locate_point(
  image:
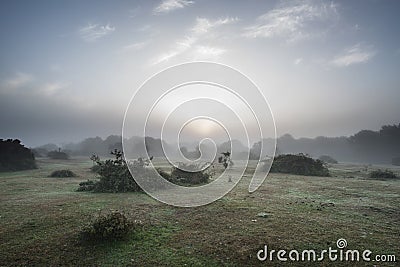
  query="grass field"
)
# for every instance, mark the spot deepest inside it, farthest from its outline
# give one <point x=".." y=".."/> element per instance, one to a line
<point x="41" y="217"/>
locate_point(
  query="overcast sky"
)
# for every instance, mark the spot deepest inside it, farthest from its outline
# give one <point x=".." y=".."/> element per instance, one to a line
<point x="69" y="68"/>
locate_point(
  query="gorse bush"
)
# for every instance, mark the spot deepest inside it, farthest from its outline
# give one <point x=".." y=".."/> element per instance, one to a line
<point x="298" y="164"/>
<point x="382" y="174"/>
<point x="113" y="225"/>
<point x="63" y="173"/>
<point x="191" y="174"/>
<point x="14" y="156"/>
<point x="114" y="175"/>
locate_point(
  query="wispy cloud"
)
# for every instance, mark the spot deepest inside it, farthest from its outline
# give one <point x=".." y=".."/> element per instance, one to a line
<point x="298" y="61"/>
<point x="169" y="5"/>
<point x="354" y="55"/>
<point x="135" y="46"/>
<point x="209" y="51"/>
<point x="198" y="33"/>
<point x="294" y="20"/>
<point x="93" y="32"/>
<point x="23" y="84"/>
<point x="20" y="79"/>
<point x="52" y="88"/>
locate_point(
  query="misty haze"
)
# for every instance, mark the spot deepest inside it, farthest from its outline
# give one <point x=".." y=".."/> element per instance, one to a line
<point x="199" y="133"/>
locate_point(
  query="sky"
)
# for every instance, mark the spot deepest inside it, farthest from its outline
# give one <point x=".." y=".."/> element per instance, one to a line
<point x="69" y="68"/>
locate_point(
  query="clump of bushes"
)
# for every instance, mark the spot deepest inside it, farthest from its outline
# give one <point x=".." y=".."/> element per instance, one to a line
<point x="114" y="175"/>
<point x="328" y="159"/>
<point x="110" y="226"/>
<point x="382" y="174"/>
<point x="299" y="164"/>
<point x="15" y="157"/>
<point x="57" y="155"/>
<point x="187" y="174"/>
<point x="63" y="173"/>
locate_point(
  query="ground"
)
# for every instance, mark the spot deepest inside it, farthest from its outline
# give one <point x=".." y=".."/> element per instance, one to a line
<point x="40" y="219"/>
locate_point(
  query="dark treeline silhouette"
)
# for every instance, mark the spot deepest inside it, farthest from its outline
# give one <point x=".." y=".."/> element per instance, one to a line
<point x="366" y="146"/>
<point x="14" y="156"/>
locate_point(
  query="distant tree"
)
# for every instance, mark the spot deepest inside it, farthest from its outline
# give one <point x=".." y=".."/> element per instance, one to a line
<point x="377" y="146"/>
<point x="225" y="159"/>
<point x="255" y="151"/>
<point x="14" y="156"/>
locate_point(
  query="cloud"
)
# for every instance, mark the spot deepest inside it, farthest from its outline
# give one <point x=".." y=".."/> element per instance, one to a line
<point x="52" y="88"/>
<point x="209" y="51"/>
<point x="26" y="85"/>
<point x="20" y="79"/>
<point x="135" y="46"/>
<point x="93" y="32"/>
<point x="170" y="5"/>
<point x="297" y="61"/>
<point x="354" y="55"/>
<point x="198" y="33"/>
<point x="294" y="20"/>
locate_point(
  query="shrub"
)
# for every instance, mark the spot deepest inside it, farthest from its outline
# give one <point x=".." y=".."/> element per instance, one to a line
<point x="88" y="185"/>
<point x="382" y="174"/>
<point x="298" y="164"/>
<point x="396" y="161"/>
<point x="14" y="156"/>
<point x="193" y="176"/>
<point x="57" y="155"/>
<point x="63" y="173"/>
<point x="328" y="159"/>
<point x="110" y="226"/>
<point x="114" y="175"/>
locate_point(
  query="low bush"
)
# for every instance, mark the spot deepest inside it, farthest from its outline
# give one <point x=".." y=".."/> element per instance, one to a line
<point x="382" y="174"/>
<point x="187" y="174"/>
<point x="62" y="174"/>
<point x="328" y="159"/>
<point x="110" y="226"/>
<point x="298" y="164"/>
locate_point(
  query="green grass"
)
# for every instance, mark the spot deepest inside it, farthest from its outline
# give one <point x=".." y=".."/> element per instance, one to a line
<point x="41" y="217"/>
